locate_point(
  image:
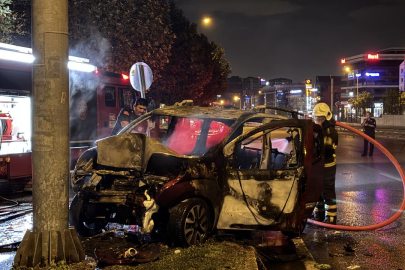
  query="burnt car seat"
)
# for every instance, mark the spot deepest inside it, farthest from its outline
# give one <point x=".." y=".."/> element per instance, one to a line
<point x="247" y="158"/>
<point x="278" y="158"/>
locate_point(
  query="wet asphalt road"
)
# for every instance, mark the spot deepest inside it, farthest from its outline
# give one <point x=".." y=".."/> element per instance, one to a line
<point x="369" y="190"/>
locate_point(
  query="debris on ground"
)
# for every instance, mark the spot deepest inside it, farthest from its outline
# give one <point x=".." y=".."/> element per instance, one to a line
<point x="88" y="264"/>
<point x="142" y="254"/>
<point x="223" y="255"/>
<point x="336" y="254"/>
<point x="322" y="266"/>
<point x="349" y="248"/>
<point x="368" y="254"/>
<point x="353" y="267"/>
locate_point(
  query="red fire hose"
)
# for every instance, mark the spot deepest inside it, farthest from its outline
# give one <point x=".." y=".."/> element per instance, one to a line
<point x="401" y="173"/>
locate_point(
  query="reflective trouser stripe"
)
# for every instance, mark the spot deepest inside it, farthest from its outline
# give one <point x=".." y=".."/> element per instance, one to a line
<point x="330" y="207"/>
<point x="331" y="214"/>
<point x="330" y="164"/>
<point x="319" y="209"/>
<point x="331" y="210"/>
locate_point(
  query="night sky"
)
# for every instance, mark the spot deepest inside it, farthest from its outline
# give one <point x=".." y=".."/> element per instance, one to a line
<point x="297" y="39"/>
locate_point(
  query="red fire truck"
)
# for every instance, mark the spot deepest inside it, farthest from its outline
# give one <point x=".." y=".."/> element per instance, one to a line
<point x="96" y="98"/>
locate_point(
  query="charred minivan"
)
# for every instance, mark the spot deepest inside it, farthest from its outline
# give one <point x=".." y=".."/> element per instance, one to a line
<point x="187" y="171"/>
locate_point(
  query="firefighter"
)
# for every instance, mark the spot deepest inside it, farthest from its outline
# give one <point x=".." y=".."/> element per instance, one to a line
<point x="326" y="210"/>
<point x="126" y="116"/>
<point x="369" y="125"/>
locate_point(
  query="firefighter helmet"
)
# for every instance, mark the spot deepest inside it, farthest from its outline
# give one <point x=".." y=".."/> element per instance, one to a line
<point x="322" y="109"/>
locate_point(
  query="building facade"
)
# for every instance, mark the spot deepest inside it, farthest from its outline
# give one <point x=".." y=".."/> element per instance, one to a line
<point x="279" y="81"/>
<point x="235" y="85"/>
<point x="375" y="73"/>
<point x="290" y="96"/>
<point x="251" y="85"/>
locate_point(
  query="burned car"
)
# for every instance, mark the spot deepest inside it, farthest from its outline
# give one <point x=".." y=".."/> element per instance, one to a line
<point x="185" y="171"/>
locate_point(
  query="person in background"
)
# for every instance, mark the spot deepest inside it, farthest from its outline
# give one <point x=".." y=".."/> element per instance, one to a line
<point x="126" y="116"/>
<point x="325" y="210"/>
<point x="369" y="125"/>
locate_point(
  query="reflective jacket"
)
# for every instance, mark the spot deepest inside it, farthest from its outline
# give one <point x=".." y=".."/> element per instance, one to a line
<point x="124" y="115"/>
<point x="330" y="138"/>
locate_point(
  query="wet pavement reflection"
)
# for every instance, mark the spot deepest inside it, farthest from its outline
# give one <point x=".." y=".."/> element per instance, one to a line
<point x="369" y="191"/>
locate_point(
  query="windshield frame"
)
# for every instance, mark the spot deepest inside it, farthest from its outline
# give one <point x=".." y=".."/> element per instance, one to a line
<point x="199" y="148"/>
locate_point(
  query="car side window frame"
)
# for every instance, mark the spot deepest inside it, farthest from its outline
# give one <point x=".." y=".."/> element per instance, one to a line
<point x="233" y="158"/>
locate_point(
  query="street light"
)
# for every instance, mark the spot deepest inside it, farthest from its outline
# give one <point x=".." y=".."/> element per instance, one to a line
<point x="206" y="21"/>
<point x="236" y="98"/>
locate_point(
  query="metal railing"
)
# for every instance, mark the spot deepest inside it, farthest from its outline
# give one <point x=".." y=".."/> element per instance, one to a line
<point x="382" y="132"/>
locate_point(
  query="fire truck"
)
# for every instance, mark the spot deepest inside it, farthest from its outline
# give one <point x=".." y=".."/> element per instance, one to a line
<point x="96" y="98"/>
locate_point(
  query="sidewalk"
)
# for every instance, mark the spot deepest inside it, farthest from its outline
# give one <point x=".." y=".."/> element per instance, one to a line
<point x="378" y="126"/>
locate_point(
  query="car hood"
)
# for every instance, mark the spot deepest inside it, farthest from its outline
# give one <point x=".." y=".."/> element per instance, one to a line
<point x="130" y="151"/>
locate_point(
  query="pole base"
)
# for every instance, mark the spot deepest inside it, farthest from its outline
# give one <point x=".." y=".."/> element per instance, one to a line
<point x="42" y="248"/>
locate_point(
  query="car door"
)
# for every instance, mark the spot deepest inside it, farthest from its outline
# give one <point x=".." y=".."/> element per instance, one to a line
<point x="269" y="169"/>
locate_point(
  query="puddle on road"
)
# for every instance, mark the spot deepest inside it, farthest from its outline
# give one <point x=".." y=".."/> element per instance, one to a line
<point x="13" y="231"/>
<point x="6" y="260"/>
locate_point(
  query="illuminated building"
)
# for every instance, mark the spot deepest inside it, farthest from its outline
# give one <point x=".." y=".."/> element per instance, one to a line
<point x="290" y="96"/>
<point x="278" y="81"/>
<point x="374" y="72"/>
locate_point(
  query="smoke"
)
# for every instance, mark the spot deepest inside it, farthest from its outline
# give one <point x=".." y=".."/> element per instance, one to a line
<point x="83" y="86"/>
<point x="94" y="47"/>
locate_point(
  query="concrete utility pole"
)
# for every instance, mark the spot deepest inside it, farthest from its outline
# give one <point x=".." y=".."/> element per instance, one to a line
<point x="51" y="240"/>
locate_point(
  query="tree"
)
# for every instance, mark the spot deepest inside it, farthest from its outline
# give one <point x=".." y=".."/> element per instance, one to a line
<point x="189" y="68"/>
<point x="219" y="83"/>
<point x="392" y="104"/>
<point x="197" y="68"/>
<point x="118" y="33"/>
<point x="11" y="23"/>
<point x="363" y="101"/>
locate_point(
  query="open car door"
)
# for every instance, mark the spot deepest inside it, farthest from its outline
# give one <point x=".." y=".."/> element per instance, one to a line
<point x="269" y="174"/>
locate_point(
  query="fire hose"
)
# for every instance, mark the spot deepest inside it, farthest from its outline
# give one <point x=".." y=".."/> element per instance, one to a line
<point x="401" y="173"/>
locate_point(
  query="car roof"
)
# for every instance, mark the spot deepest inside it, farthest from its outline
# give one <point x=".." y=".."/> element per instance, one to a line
<point x="209" y="112"/>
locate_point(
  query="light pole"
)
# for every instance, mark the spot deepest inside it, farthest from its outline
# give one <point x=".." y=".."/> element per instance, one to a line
<point x="51" y="239"/>
<point x="236" y="98"/>
<point x="258" y="97"/>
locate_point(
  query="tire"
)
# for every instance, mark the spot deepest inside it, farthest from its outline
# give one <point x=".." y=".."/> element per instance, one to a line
<point x="83" y="227"/>
<point x="190" y="222"/>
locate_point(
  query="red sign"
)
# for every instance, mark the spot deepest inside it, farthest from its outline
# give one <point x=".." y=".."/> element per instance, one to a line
<point x="343" y="61"/>
<point x="373" y="56"/>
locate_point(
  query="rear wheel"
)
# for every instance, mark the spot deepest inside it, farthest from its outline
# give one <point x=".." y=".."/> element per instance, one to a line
<point x="77" y="218"/>
<point x="190" y="222"/>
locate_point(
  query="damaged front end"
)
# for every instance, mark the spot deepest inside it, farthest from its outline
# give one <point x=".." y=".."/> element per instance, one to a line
<point x="113" y="183"/>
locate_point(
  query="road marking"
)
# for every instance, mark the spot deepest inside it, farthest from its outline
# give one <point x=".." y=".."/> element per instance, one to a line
<point x="391" y="176"/>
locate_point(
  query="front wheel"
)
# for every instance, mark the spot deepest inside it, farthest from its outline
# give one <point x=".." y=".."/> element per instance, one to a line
<point x="190" y="222"/>
<point x="84" y="227"/>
